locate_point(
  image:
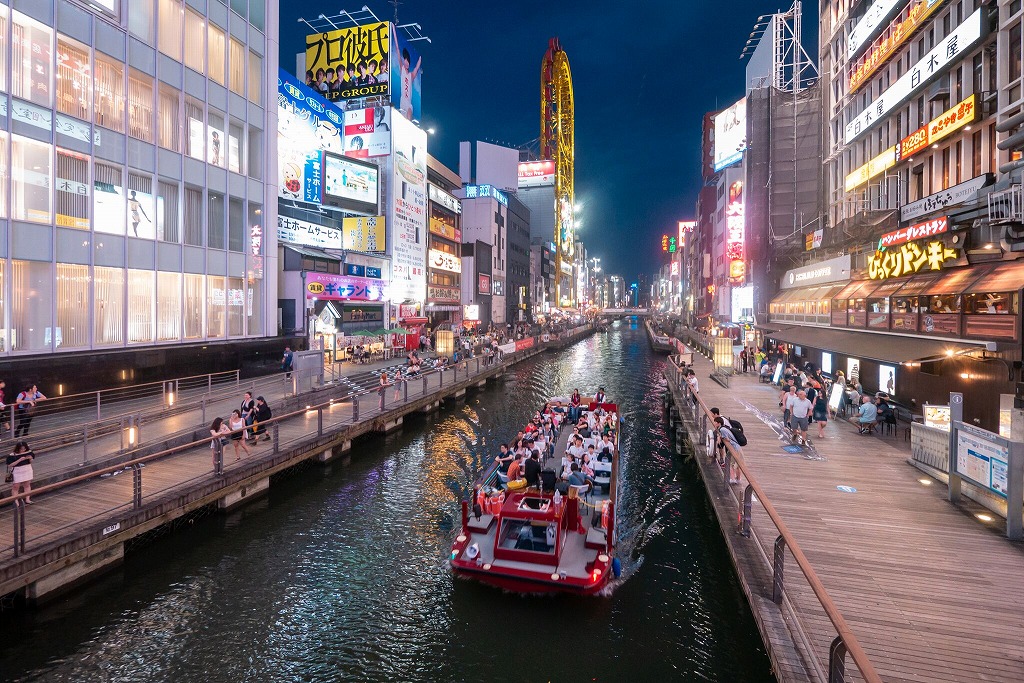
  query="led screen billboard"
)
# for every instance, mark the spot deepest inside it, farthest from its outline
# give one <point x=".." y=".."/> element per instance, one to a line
<point x="730" y="135"/>
<point x="536" y="173"/>
<point x="351" y="185"/>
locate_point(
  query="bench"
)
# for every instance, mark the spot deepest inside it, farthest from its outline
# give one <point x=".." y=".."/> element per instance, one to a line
<point x="596" y="539"/>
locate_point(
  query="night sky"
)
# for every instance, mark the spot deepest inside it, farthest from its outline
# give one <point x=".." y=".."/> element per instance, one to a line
<point x="644" y="74"/>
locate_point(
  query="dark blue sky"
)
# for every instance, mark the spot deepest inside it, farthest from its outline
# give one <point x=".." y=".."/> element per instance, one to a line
<point x="643" y="73"/>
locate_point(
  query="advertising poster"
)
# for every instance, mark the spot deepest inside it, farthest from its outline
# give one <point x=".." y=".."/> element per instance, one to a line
<point x="216" y="147"/>
<point x="826" y="362"/>
<point x="852" y="369"/>
<point x="982" y="459"/>
<point x="306" y="126"/>
<point x="730" y="135"/>
<point x="310" y="234"/>
<point x="406" y="75"/>
<point x="536" y="173"/>
<point x="350" y="62"/>
<point x="483" y="283"/>
<point x="936" y="417"/>
<point x="141" y="215"/>
<point x="887" y="379"/>
<point x="835" y="397"/>
<point x="351" y="185"/>
<point x="108" y="208"/>
<point x="340" y="287"/>
<point x="407" y="191"/>
<point x="368" y="132"/>
<point x="364" y="233"/>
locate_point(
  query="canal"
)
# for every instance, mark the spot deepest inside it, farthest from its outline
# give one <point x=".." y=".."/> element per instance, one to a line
<point x="340" y="573"/>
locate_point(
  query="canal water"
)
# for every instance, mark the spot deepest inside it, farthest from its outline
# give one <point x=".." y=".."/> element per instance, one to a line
<point x="340" y="573"/>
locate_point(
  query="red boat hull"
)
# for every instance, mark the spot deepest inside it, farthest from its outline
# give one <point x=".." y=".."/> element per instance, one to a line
<point x="529" y="586"/>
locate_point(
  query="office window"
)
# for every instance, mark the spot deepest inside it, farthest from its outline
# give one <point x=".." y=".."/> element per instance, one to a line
<point x="236" y="67"/>
<point x="31" y="60"/>
<point x="993" y="163"/>
<point x="3" y="69"/>
<point x="257" y="13"/>
<point x="141" y="314"/>
<point x="195" y="41"/>
<point x="216" y="152"/>
<point x="140" y="20"/>
<point x="169" y="118"/>
<point x="169" y="24"/>
<point x="72" y="293"/>
<point x="236" y="225"/>
<point x="235" y="161"/>
<point x="255" y="78"/>
<point x="236" y="308"/>
<point x="216" y="50"/>
<point x="31" y="321"/>
<point x="108" y="200"/>
<point x="1015" y="52"/>
<point x="240" y="6"/>
<point x="140" y="105"/>
<point x="255" y="155"/>
<point x="74" y="84"/>
<point x="167" y="228"/>
<point x="215" y="305"/>
<point x="193" y="309"/>
<point x="215" y="220"/>
<point x="193" y="213"/>
<point x="30" y="179"/>
<point x="109" y="93"/>
<point x="957" y="154"/>
<point x="976" y="154"/>
<point x="4" y="179"/>
<point x="141" y="212"/>
<point x="168" y="306"/>
<point x="71" y="189"/>
<point x="195" y="143"/>
<point x="108" y="304"/>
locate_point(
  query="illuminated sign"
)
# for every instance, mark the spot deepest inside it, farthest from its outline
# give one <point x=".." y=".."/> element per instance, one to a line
<point x="368" y="132"/>
<point x="303" y="232"/>
<point x="439" y="293"/>
<point x="675" y="268"/>
<point x="946" y="52"/>
<point x="875" y="16"/>
<point x="950" y="121"/>
<point x="444" y="229"/>
<point x="913" y="143"/>
<point x="536" y="173"/>
<point x="730" y="135"/>
<point x="327" y="286"/>
<point x="879" y="164"/>
<point x="471" y="312"/>
<point x="910" y="258"/>
<point x="958" y="194"/>
<point x="349" y="62"/>
<point x="664" y="242"/>
<point x="442" y="260"/>
<point x="886" y="45"/>
<point x="483" y="283"/>
<point x="813" y="240"/>
<point x="476" y="191"/>
<point x="673" y="245"/>
<point x="734" y="232"/>
<point x="351" y="185"/>
<point x="930" y="228"/>
<point x="363" y="233"/>
<point x="439" y="196"/>
<point x="832" y="270"/>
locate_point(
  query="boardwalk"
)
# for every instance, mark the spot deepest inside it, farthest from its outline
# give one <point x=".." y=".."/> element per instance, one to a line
<point x="931" y="592"/>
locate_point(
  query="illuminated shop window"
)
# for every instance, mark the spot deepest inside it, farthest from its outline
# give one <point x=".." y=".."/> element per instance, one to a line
<point x="140" y="106"/>
<point x="236" y="306"/>
<point x="74" y="80"/>
<point x="169" y="23"/>
<point x="108" y="306"/>
<point x="30" y="179"/>
<point x="169" y="118"/>
<point x="195" y="41"/>
<point x="71" y="189"/>
<point x="195" y="140"/>
<point x="31" y="289"/>
<point x="141" y="214"/>
<point x="108" y="203"/>
<point x="31" y="60"/>
<point x="194" y="300"/>
<point x="167" y="213"/>
<point x="236" y="67"/>
<point x="141" y="301"/>
<point x="109" y="93"/>
<point x="216" y="50"/>
<point x="255" y="78"/>
<point x="168" y="306"/>
<point x="72" y="330"/>
<point x="216" y="303"/>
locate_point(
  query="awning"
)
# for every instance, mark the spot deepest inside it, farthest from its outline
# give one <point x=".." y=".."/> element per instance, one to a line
<point x="856" y="289"/>
<point x="885" y="347"/>
<point x="1005" y="277"/>
<point x="438" y="308"/>
<point x="819" y="293"/>
<point x="312" y="252"/>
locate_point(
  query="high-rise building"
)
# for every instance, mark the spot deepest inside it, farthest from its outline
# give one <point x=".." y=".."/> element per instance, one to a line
<point x="485" y="219"/>
<point x="444" y="254"/>
<point x="137" y="182"/>
<point x="518" y="299"/>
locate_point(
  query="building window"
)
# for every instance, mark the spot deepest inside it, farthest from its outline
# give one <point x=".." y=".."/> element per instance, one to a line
<point x="253" y="305"/>
<point x="141" y="212"/>
<point x="235" y="161"/>
<point x="196" y="140"/>
<point x="215" y="221"/>
<point x="216" y="50"/>
<point x="255" y="78"/>
<point x="108" y="304"/>
<point x="140" y="106"/>
<point x="31" y="60"/>
<point x="169" y="25"/>
<point x="1015" y="53"/>
<point x="195" y="41"/>
<point x="216" y="152"/>
<point x="31" y="322"/>
<point x="72" y="293"/>
<point x="257" y="12"/>
<point x="167" y="229"/>
<point x="168" y="306"/>
<point x="193" y="212"/>
<point x="976" y="154"/>
<point x="194" y="299"/>
<point x="236" y="68"/>
<point x="169" y="118"/>
<point x="71" y="185"/>
<point x="236" y="225"/>
<point x="4" y="49"/>
<point x="977" y="80"/>
<point x="74" y="86"/>
<point x="215" y="305"/>
<point x="140" y="20"/>
<point x="4" y="179"/>
<point x="255" y="155"/>
<point x="30" y="179"/>
<point x="993" y="162"/>
<point x="141" y="314"/>
<point x="108" y="200"/>
<point x="957" y="155"/>
<point x="945" y="168"/>
<point x="109" y="93"/>
<point x="236" y="308"/>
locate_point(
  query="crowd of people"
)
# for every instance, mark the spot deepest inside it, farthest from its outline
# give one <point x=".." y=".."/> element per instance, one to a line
<point x="244" y="427"/>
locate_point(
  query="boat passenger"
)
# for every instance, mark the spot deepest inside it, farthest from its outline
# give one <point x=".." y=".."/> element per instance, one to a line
<point x="532" y="469"/>
<point x="575" y="451"/>
<point x="576" y="478"/>
<point x="600" y="397"/>
<point x="515" y="469"/>
<point x="504" y="459"/>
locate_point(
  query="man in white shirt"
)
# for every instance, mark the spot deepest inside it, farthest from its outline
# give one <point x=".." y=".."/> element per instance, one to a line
<point x="575" y="450"/>
<point x="800" y="410"/>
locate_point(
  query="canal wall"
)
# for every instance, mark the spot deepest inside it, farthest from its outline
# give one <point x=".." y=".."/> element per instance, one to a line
<point x="75" y="553"/>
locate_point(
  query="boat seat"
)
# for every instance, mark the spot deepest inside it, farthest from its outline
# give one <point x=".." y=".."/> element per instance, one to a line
<point x="596" y="539"/>
<point x="481" y="526"/>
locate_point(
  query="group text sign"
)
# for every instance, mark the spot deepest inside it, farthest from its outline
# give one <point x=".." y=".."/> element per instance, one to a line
<point x="349" y="63"/>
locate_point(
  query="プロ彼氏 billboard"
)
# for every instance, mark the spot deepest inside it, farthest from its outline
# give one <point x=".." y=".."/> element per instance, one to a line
<point x="730" y="135"/>
<point x="350" y="63"/>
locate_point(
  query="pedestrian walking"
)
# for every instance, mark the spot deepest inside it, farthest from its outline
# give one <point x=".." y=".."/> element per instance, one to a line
<point x="248" y="409"/>
<point x="286" y="362"/>
<point x="219" y="431"/>
<point x="800" y="409"/>
<point x="236" y="423"/>
<point x="821" y="412"/>
<point x="19" y="470"/>
<point x="259" y="425"/>
<point x="27" y="404"/>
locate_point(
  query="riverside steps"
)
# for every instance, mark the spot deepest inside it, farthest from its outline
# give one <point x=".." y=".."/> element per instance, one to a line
<point x="79" y="524"/>
<point x="853" y="562"/>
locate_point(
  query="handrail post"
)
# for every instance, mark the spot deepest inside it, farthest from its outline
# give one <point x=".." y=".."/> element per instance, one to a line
<point x="11" y="423"/>
<point x="777" y="569"/>
<point x="319" y="421"/>
<point x="122" y="430"/>
<point x="238" y="377"/>
<point x="99" y="412"/>
<point x="837" y="661"/>
<point x="209" y="382"/>
<point x="425" y="385"/>
<point x="405" y="390"/>
<point x="137" y="485"/>
<point x="85" y="445"/>
<point x="276" y="431"/>
<point x="728" y="466"/>
<point x="355" y="408"/>
<point x="748" y="494"/>
<point x="218" y="457"/>
<point x="202" y="407"/>
<point x="19" y="513"/>
<point x="382" y="391"/>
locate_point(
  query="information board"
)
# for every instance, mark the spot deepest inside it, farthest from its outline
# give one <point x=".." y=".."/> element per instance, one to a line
<point x="982" y="457"/>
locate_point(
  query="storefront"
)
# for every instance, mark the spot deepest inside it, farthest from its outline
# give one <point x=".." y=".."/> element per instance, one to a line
<point x="342" y="305"/>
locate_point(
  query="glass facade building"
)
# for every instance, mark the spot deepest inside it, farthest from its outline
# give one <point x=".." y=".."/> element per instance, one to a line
<point x="135" y="189"/>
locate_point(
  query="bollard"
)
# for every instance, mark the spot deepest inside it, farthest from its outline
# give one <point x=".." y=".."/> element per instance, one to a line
<point x="425" y="385"/>
<point x="355" y="408"/>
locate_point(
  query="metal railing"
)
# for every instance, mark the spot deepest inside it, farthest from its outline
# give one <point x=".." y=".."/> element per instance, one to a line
<point x="845" y="641"/>
<point x="1007" y="206"/>
<point x="325" y="422"/>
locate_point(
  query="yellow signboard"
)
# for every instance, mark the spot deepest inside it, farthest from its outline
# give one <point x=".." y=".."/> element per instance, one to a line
<point x="363" y="233"/>
<point x="910" y="258"/>
<point x="349" y="62"/>
<point x="879" y="164"/>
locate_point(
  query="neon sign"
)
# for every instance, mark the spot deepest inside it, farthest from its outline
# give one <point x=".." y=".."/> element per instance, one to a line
<point x="910" y="258"/>
<point x="734" y="233"/>
<point x="931" y="228"/>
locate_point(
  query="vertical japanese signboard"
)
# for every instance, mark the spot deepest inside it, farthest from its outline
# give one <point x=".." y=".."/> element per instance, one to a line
<point x="407" y="192"/>
<point x="734" y="233"/>
<point x="307" y="126"/>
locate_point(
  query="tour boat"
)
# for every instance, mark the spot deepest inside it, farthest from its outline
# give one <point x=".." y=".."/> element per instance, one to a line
<point x="659" y="342"/>
<point x="534" y="540"/>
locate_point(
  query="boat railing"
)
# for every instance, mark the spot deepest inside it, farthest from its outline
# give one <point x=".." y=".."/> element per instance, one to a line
<point x="845" y="641"/>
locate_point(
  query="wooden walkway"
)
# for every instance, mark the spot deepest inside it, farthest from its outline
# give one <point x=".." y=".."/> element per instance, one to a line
<point x="931" y="592"/>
